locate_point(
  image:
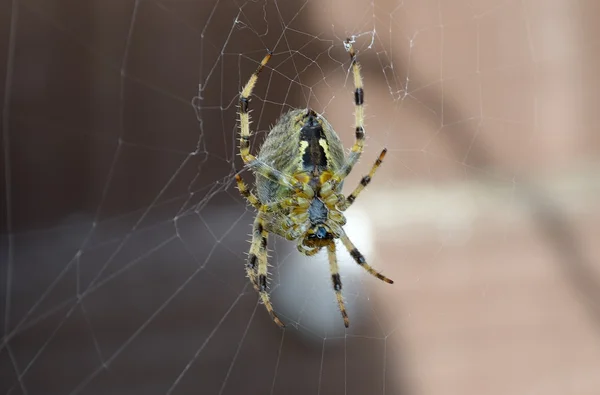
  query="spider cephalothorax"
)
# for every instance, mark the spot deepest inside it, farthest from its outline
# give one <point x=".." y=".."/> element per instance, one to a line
<point x="300" y="171"/>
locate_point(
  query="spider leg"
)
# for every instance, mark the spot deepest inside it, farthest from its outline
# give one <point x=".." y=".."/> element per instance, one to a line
<point x="245" y="192"/>
<point x="252" y="263"/>
<point x="244" y="114"/>
<point x="250" y="160"/>
<point x="363" y="182"/>
<point x="360" y="259"/>
<point x="337" y="282"/>
<point x="359" y="116"/>
<point x="257" y="267"/>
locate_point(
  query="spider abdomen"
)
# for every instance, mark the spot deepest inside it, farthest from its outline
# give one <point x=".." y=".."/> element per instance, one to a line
<point x="300" y="142"/>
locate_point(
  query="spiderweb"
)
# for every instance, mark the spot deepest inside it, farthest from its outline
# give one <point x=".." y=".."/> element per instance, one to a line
<point x="124" y="238"/>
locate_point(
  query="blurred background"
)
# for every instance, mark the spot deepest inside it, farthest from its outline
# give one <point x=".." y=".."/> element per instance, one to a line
<point x="124" y="239"/>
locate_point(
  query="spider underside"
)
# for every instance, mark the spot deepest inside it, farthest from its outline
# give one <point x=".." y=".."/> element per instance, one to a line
<point x="299" y="172"/>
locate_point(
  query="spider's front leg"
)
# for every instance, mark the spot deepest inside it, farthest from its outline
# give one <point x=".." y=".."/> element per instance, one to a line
<point x="359" y="116"/>
<point x="245" y="134"/>
<point x="358" y="147"/>
<point x="257" y="266"/>
<point x="360" y="259"/>
<point x="244" y="113"/>
<point x="337" y="282"/>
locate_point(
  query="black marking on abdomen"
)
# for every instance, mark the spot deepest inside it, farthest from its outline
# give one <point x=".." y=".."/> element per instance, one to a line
<point x="313" y="157"/>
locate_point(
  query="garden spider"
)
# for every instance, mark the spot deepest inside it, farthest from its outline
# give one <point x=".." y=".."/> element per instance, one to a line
<point x="299" y="176"/>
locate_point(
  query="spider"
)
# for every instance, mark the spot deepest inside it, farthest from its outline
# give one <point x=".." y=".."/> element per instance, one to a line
<point x="299" y="172"/>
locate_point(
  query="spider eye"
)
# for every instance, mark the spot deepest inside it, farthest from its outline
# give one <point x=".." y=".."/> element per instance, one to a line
<point x="321" y="232"/>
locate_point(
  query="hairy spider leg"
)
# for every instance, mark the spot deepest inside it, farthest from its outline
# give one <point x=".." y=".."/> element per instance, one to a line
<point x="363" y="182"/>
<point x="257" y="267"/>
<point x="252" y="263"/>
<point x="360" y="259"/>
<point x="245" y="134"/>
<point x="245" y="192"/>
<point x="250" y="160"/>
<point x="337" y="282"/>
<point x="359" y="116"/>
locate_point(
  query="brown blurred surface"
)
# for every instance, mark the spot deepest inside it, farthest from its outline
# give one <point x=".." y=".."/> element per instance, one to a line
<point x="123" y="239"/>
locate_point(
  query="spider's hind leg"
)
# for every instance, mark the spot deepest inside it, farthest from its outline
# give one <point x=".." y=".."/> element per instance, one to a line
<point x="257" y="266"/>
<point x="360" y="259"/>
<point x="337" y="282"/>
